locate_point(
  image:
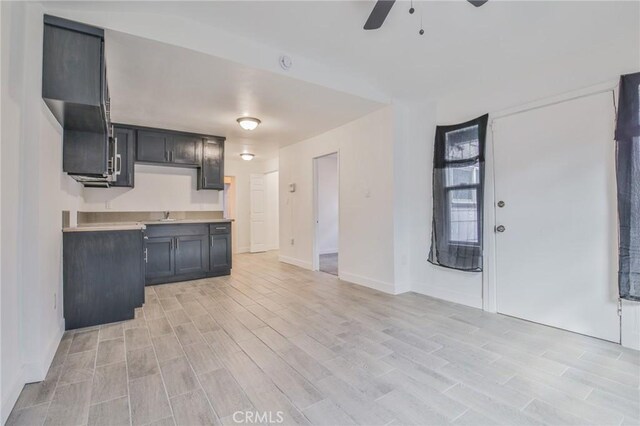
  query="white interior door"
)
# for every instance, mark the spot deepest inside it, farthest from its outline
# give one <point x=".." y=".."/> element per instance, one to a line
<point x="258" y="214"/>
<point x="555" y="173"/>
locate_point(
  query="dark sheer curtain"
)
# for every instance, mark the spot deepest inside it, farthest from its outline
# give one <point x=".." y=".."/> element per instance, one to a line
<point x="628" y="178"/>
<point x="458" y="187"/>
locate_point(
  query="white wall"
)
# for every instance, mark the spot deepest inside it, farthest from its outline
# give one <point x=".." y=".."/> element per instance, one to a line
<point x="157" y="188"/>
<point x="327" y="171"/>
<point x="553" y="81"/>
<point x="365" y="148"/>
<point x="34" y="193"/>
<point x="272" y="187"/>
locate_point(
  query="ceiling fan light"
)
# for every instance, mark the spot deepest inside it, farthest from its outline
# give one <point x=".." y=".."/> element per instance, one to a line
<point x="248" y="123"/>
<point x="246" y="156"/>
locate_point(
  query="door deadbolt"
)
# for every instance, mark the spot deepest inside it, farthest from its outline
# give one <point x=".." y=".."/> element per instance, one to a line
<point x="500" y="203"/>
<point x="500" y="228"/>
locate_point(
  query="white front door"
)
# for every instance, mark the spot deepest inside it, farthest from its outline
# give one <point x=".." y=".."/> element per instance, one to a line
<point x="557" y="255"/>
<point x="258" y="214"/>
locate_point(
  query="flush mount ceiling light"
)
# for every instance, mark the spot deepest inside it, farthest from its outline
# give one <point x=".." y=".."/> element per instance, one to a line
<point x="248" y="123"/>
<point x="246" y="156"/>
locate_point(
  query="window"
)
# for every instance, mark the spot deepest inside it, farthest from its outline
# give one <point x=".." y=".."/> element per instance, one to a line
<point x="628" y="181"/>
<point x="462" y="183"/>
<point x="457" y="194"/>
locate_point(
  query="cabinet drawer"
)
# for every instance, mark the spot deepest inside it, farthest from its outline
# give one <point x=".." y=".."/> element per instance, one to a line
<point x="220" y="228"/>
<point x="176" y="230"/>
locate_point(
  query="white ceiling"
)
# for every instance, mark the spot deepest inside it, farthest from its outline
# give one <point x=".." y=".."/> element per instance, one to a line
<point x="159" y="85"/>
<point x="463" y="46"/>
<point x="501" y="45"/>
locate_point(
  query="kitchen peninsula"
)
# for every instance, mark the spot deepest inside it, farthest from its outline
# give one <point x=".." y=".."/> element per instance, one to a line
<point x="107" y="264"/>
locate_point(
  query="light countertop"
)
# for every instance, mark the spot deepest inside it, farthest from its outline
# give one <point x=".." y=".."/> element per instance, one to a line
<point x="128" y="226"/>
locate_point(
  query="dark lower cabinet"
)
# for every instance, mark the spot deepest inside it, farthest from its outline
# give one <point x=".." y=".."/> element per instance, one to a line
<point x="220" y="252"/>
<point x="181" y="252"/>
<point x="192" y="254"/>
<point x="160" y="258"/>
<point x="103" y="276"/>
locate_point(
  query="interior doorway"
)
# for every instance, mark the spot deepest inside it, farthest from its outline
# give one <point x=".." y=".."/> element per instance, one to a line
<point x="326" y="206"/>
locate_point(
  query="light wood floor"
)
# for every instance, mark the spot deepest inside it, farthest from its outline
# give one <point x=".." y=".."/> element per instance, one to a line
<point x="275" y="339"/>
<point x="329" y="263"/>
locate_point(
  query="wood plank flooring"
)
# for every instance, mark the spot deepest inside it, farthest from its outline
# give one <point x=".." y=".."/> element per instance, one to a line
<point x="274" y="342"/>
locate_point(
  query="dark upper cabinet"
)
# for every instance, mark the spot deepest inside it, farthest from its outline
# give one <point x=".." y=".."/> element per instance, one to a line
<point x="220" y="252"/>
<point x="168" y="148"/>
<point x="211" y="172"/>
<point x="184" y="149"/>
<point x="192" y="254"/>
<point x="160" y="257"/>
<point x="125" y="154"/>
<point x="74" y="83"/>
<point x="86" y="153"/>
<point x="153" y="146"/>
<point x="75" y="88"/>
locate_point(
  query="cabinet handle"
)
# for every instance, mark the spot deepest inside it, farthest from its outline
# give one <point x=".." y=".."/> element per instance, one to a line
<point x="171" y="244"/>
<point x="171" y="156"/>
<point x="118" y="164"/>
<point x="211" y="239"/>
<point x="166" y="156"/>
<point x="221" y="227"/>
<point x="177" y="244"/>
<point x="205" y="181"/>
<point x="146" y="255"/>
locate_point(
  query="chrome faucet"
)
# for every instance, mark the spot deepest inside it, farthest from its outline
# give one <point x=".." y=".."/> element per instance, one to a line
<point x="166" y="215"/>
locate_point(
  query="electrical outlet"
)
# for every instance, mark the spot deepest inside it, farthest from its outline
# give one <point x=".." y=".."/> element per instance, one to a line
<point x="293" y="241"/>
<point x="107" y="205"/>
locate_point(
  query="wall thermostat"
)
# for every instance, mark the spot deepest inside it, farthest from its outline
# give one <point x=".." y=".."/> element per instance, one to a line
<point x="292" y="187"/>
<point x="285" y="62"/>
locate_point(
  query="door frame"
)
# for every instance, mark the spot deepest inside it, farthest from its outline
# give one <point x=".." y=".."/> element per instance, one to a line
<point x="230" y="207"/>
<point x="489" y="270"/>
<point x="253" y="247"/>
<point x="316" y="252"/>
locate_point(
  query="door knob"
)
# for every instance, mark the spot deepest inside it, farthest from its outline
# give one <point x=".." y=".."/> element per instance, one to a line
<point x="500" y="203"/>
<point x="500" y="228"/>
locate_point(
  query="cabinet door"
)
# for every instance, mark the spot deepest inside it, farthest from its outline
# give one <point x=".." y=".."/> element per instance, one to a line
<point x="184" y="149"/>
<point x="211" y="174"/>
<point x="192" y="254"/>
<point x="160" y="257"/>
<point x="153" y="147"/>
<point x="124" y="162"/>
<point x="220" y="252"/>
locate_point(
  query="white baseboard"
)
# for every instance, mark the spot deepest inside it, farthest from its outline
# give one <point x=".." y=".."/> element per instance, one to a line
<point x="630" y="325"/>
<point x="448" y="295"/>
<point x="367" y="282"/>
<point x="12" y="393"/>
<point x="37" y="371"/>
<point x="242" y="250"/>
<point x="329" y="251"/>
<point x="296" y="262"/>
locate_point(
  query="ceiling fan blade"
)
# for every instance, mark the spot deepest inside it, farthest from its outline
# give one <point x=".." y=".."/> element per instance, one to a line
<point x="477" y="3"/>
<point x="378" y="14"/>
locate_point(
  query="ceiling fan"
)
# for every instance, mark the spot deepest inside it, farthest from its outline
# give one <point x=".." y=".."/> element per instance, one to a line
<point x="382" y="8"/>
